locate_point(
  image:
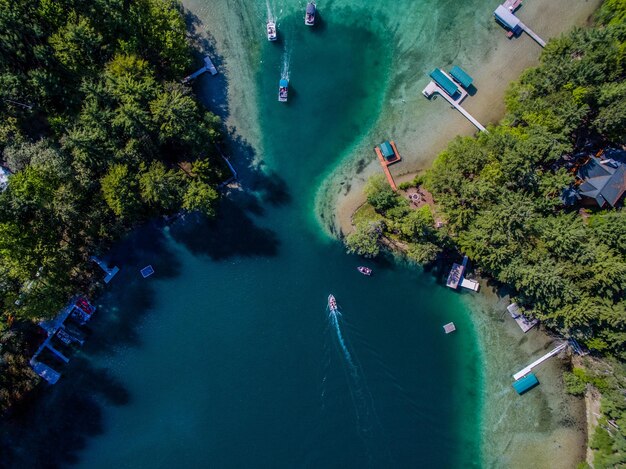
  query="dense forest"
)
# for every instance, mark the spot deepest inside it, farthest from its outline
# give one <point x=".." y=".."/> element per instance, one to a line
<point x="499" y="195"/>
<point x="98" y="134"/>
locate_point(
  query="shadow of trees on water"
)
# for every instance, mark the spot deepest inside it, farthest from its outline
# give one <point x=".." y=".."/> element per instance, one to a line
<point x="56" y="423"/>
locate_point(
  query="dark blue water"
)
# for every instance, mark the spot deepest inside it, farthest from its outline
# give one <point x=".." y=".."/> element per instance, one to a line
<point x="227" y="356"/>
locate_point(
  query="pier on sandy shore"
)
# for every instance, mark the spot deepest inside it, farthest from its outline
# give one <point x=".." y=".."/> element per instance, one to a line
<point x="529" y="368"/>
<point x="387" y="154"/>
<point x="504" y="15"/>
<point x="452" y="91"/>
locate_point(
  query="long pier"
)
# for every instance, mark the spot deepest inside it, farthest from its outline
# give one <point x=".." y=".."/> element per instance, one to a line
<point x="528" y="369"/>
<point x="532" y="34"/>
<point x="434" y="88"/>
<point x="383" y="163"/>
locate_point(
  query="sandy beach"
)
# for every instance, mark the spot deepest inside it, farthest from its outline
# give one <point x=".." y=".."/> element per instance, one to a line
<point x="545" y="426"/>
<point x="422" y="128"/>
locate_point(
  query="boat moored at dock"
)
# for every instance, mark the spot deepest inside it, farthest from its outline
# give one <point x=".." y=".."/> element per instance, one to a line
<point x="309" y="17"/>
<point x="271" y="31"/>
<point x="283" y="90"/>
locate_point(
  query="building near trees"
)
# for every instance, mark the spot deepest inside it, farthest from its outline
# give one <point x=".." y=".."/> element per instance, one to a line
<point x="603" y="179"/>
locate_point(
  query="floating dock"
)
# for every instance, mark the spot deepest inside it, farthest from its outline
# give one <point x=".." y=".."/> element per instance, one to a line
<point x="444" y="85"/>
<point x="529" y="368"/>
<point x="388" y="159"/>
<point x="450" y="327"/>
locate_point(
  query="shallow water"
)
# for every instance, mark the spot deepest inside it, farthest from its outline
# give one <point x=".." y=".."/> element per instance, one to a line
<point x="227" y="353"/>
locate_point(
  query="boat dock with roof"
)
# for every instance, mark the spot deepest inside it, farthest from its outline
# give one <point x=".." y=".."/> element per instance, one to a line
<point x="62" y="332"/>
<point x="387" y="154"/>
<point x="454" y="89"/>
<point x="504" y="15"/>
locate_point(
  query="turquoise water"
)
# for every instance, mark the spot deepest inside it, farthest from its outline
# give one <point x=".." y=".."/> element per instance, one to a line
<point x="227" y="356"/>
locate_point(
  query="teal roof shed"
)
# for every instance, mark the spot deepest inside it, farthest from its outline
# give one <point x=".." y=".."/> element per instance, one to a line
<point x="444" y="82"/>
<point x="463" y="78"/>
<point x="386" y="150"/>
<point x="526" y="383"/>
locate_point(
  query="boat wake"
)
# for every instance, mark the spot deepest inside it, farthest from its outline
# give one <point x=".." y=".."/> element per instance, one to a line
<point x="284" y="73"/>
<point x="346" y="353"/>
<point x="369" y="428"/>
<point x="270" y="15"/>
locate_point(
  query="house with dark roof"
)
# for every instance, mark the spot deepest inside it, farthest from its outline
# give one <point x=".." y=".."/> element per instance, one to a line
<point x="603" y="179"/>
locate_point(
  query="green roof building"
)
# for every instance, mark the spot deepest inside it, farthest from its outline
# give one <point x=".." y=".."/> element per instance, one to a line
<point x="463" y="78"/>
<point x="444" y="82"/>
<point x="526" y="383"/>
<point x="387" y="150"/>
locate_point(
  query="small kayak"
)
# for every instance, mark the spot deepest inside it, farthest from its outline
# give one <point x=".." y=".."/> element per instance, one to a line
<point x="364" y="270"/>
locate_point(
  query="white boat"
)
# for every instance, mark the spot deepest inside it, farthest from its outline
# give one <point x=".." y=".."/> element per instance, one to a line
<point x="332" y="304"/>
<point x="309" y="17"/>
<point x="364" y="270"/>
<point x="271" y="31"/>
<point x="283" y="90"/>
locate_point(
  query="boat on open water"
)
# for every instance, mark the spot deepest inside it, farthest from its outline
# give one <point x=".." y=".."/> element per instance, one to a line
<point x="283" y="90"/>
<point x="271" y="31"/>
<point x="364" y="270"/>
<point x="309" y="17"/>
<point x="332" y="304"/>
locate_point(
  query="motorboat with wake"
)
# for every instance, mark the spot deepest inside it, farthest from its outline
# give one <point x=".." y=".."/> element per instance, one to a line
<point x="271" y="31"/>
<point x="283" y="90"/>
<point x="332" y="304"/>
<point x="309" y="17"/>
<point x="364" y="270"/>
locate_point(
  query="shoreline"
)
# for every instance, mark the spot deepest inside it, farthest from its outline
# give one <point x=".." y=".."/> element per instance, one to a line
<point x="415" y="120"/>
<point x="423" y="128"/>
<point x="554" y="439"/>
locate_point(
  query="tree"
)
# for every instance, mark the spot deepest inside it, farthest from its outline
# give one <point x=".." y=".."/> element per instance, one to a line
<point x="77" y="45"/>
<point x="423" y="253"/>
<point x="119" y="189"/>
<point x="161" y="187"/>
<point x="201" y="197"/>
<point x="379" y="194"/>
<point x="365" y="240"/>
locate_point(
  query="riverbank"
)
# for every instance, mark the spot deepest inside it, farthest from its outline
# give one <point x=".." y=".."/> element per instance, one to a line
<point x="422" y="128"/>
<point x="546" y="427"/>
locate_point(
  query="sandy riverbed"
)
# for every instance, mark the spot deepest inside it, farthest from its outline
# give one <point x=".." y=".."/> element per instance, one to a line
<point x="422" y="128"/>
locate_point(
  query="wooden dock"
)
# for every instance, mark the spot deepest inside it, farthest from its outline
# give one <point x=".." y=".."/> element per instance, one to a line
<point x="528" y="369"/>
<point x="433" y="88"/>
<point x="512" y="5"/>
<point x="532" y="34"/>
<point x="385" y="164"/>
<point x="208" y="67"/>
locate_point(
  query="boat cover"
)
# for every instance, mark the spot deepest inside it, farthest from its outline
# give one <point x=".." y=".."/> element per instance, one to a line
<point x="310" y="8"/>
<point x="283" y="83"/>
